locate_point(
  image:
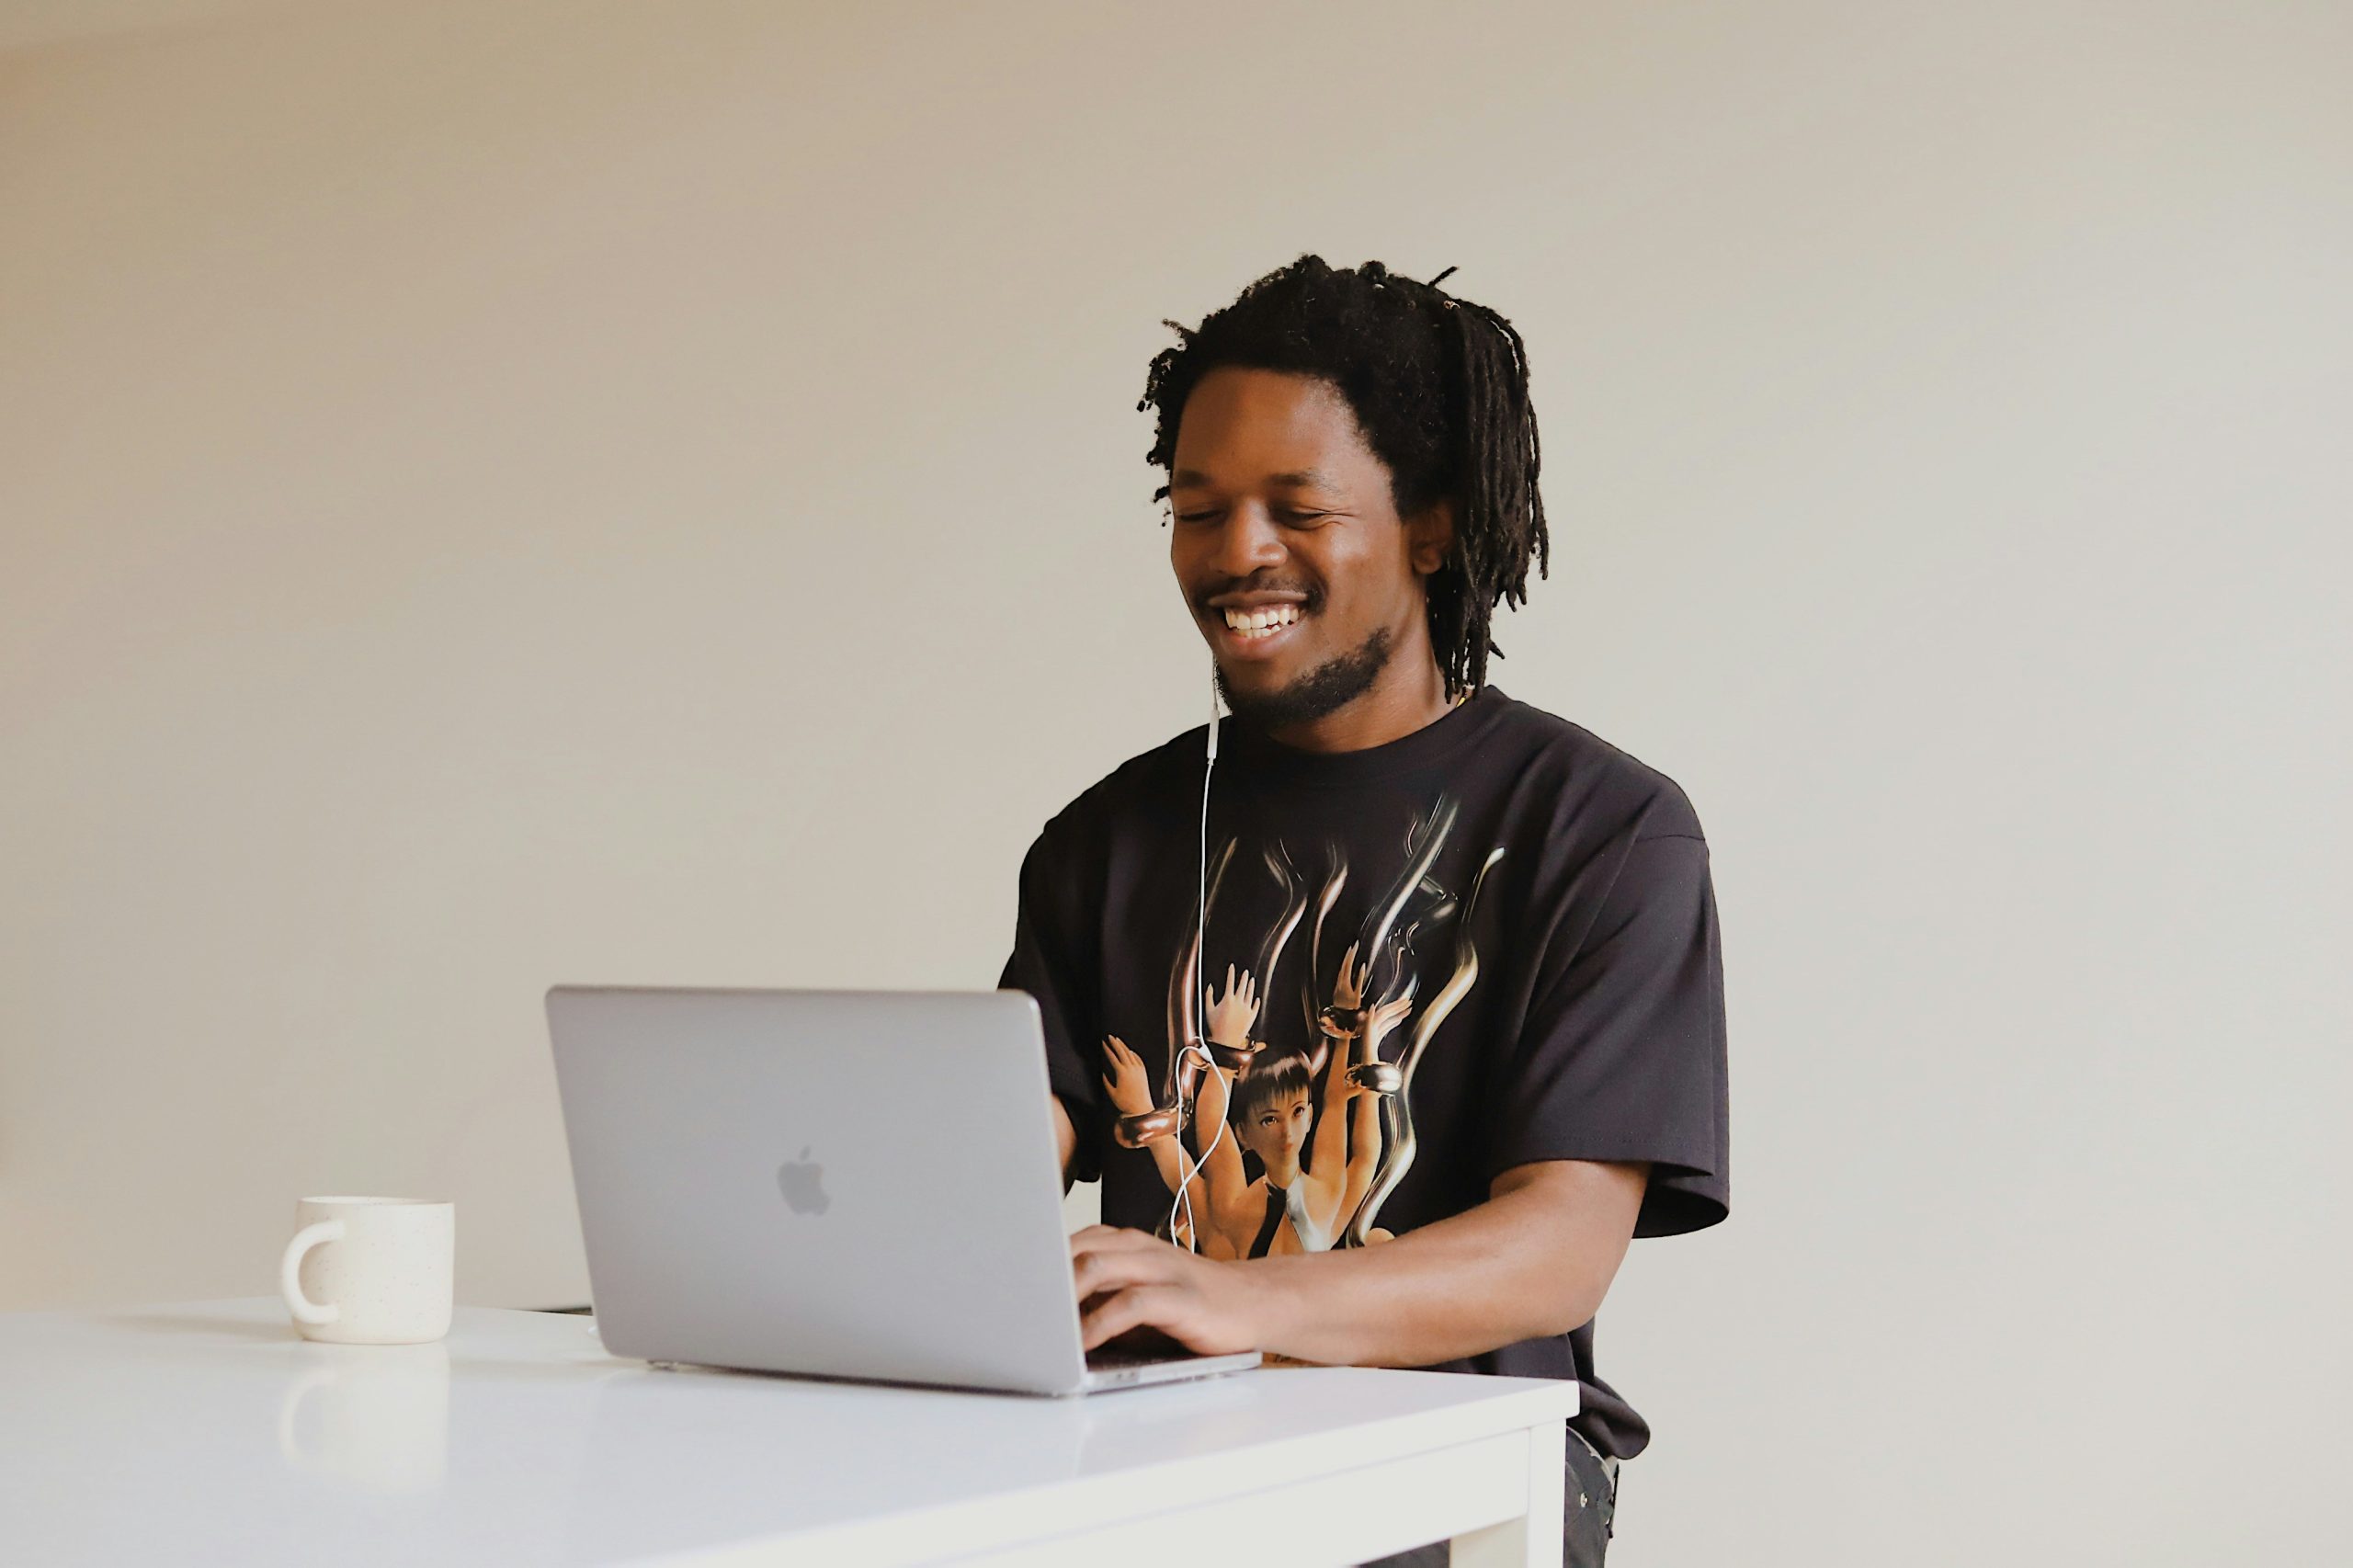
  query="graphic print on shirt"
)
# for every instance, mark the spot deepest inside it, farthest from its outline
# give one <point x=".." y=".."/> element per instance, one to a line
<point x="1295" y="1148"/>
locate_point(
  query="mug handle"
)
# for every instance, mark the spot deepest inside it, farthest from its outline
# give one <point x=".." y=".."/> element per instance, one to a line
<point x="289" y="1283"/>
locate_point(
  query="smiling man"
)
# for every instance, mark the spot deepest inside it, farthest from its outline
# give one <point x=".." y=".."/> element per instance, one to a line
<point x="1446" y="1030"/>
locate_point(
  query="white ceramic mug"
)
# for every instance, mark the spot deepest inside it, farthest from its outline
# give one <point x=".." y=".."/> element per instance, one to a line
<point x="371" y="1270"/>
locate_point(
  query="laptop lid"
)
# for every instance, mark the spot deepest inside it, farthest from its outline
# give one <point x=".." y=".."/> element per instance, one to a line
<point x="835" y="1183"/>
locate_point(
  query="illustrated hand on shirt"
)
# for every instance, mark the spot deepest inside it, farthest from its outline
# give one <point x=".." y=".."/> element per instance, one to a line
<point x="1128" y="1083"/>
<point x="1369" y="1074"/>
<point x="1385" y="1018"/>
<point x="1348" y="991"/>
<point x="1227" y="1021"/>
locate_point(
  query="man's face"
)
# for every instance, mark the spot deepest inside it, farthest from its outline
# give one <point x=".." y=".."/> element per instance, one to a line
<point x="1284" y="520"/>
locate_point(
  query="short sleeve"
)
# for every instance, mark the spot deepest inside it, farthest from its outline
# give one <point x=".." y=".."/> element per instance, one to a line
<point x="1051" y="963"/>
<point x="1623" y="1054"/>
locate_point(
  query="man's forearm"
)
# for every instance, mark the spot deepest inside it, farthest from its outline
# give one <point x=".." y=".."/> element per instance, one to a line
<point x="1535" y="1259"/>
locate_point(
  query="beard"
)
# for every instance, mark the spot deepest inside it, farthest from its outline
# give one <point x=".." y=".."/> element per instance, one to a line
<point x="1328" y="687"/>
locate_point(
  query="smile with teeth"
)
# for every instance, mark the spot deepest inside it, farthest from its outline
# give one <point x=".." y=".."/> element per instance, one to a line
<point x="1251" y="624"/>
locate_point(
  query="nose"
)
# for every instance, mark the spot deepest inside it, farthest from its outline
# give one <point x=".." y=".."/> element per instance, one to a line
<point x="1247" y="541"/>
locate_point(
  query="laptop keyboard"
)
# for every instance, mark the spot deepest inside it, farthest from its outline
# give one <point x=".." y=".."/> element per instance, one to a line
<point x="1119" y="1358"/>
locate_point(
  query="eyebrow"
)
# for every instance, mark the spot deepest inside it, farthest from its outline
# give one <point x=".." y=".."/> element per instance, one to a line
<point x="1190" y="478"/>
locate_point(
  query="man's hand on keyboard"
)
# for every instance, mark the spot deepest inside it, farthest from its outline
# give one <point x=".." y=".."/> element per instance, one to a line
<point x="1127" y="1279"/>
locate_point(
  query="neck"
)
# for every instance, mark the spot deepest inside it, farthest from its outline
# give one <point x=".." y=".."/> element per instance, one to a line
<point x="1409" y="692"/>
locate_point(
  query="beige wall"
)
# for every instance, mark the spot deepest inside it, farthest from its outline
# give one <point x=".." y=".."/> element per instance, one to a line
<point x="493" y="495"/>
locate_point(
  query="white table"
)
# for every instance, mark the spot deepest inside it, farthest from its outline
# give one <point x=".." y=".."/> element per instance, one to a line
<point x="207" y="1432"/>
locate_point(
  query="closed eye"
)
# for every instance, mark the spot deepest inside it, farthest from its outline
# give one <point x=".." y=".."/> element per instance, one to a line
<point x="1288" y="514"/>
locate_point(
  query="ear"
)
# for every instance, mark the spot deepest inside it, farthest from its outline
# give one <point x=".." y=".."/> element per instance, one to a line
<point x="1429" y="537"/>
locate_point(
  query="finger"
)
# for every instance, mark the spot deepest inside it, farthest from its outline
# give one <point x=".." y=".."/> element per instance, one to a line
<point x="1127" y="1238"/>
<point x="1102" y="1232"/>
<point x="1134" y="1254"/>
<point x="1096" y="1271"/>
<point x="1145" y="1306"/>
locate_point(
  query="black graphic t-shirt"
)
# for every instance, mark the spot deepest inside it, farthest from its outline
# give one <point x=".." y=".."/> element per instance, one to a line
<point x="1487" y="942"/>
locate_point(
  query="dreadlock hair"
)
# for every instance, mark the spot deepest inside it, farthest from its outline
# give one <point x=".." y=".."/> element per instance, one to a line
<point x="1438" y="386"/>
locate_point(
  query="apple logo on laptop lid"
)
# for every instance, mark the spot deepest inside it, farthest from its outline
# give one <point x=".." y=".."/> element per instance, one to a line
<point x="803" y="1182"/>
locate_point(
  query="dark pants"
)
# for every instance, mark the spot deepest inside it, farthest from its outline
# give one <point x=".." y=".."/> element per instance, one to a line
<point x="1588" y="1514"/>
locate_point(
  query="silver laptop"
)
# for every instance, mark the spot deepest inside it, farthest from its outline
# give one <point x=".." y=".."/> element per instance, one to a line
<point x="838" y="1184"/>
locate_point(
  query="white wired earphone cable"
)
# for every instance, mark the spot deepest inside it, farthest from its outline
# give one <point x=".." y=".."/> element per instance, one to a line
<point x="1200" y="949"/>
